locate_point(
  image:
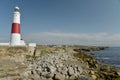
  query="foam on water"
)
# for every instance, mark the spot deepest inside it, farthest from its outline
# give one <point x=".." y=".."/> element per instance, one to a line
<point x="109" y="56"/>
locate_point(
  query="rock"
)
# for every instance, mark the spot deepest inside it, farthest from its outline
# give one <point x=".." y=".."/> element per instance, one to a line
<point x="49" y="75"/>
<point x="83" y="78"/>
<point x="43" y="78"/>
<point x="94" y="77"/>
<point x="72" y="77"/>
<point x="64" y="72"/>
<point x="80" y="70"/>
<point x="70" y="71"/>
<point x="25" y="74"/>
<point x="52" y="69"/>
<point x="36" y="53"/>
<point x="118" y="73"/>
<point x="50" y="79"/>
<point x="31" y="50"/>
<point x="59" y="76"/>
<point x="35" y="76"/>
<point x="57" y="65"/>
<point x="44" y="74"/>
<point x="60" y="65"/>
<point x="39" y="71"/>
<point x="59" y="69"/>
<point x="92" y="72"/>
<point x="65" y="68"/>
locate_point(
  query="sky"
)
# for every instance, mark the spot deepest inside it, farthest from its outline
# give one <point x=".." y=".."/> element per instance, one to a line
<point x="81" y="22"/>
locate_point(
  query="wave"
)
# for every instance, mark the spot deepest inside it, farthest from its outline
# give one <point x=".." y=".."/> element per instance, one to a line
<point x="116" y="65"/>
<point x="103" y="58"/>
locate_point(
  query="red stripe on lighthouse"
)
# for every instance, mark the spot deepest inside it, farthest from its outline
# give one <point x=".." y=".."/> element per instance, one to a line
<point x="15" y="28"/>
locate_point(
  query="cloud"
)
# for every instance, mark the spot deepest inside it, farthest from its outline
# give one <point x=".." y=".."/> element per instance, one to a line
<point x="94" y="39"/>
<point x="98" y="39"/>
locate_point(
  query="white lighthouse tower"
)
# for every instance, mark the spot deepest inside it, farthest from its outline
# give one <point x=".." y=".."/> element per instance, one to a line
<point x="15" y="31"/>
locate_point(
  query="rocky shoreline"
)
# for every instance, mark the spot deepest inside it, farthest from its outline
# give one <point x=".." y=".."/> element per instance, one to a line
<point x="57" y="63"/>
<point x="89" y="48"/>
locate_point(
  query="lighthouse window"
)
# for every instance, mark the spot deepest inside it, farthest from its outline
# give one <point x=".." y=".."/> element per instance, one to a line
<point x="17" y="10"/>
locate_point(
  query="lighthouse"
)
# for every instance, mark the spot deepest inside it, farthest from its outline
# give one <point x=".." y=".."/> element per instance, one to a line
<point x="16" y="39"/>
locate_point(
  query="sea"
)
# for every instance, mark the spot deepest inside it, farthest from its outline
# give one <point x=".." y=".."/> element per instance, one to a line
<point x="109" y="56"/>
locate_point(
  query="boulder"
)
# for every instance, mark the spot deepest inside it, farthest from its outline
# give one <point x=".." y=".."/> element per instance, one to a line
<point x="49" y="75"/>
<point x="35" y="76"/>
<point x="44" y="74"/>
<point x="118" y="73"/>
<point x="72" y="77"/>
<point x="70" y="71"/>
<point x="52" y="69"/>
<point x="39" y="71"/>
<point x="80" y="70"/>
<point x="64" y="70"/>
<point x="94" y="77"/>
<point x="58" y="76"/>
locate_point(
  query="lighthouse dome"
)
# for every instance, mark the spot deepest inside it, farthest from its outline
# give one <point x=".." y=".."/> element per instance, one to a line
<point x="16" y="8"/>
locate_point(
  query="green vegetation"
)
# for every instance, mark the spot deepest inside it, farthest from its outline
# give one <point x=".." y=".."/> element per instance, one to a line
<point x="17" y="49"/>
<point x="82" y="56"/>
<point x="98" y="70"/>
<point x="29" y="56"/>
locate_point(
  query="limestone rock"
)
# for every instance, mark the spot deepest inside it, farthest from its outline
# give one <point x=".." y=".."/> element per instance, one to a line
<point x="94" y="77"/>
<point x="39" y="71"/>
<point x="59" y="76"/>
<point x="80" y="69"/>
<point x="35" y="76"/>
<point x="49" y="75"/>
<point x="52" y="69"/>
<point x="92" y="72"/>
<point x="83" y="78"/>
<point x="72" y="77"/>
<point x="70" y="71"/>
<point x="118" y="73"/>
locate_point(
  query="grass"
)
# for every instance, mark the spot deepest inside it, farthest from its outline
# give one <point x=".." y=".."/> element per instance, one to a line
<point x="102" y="72"/>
